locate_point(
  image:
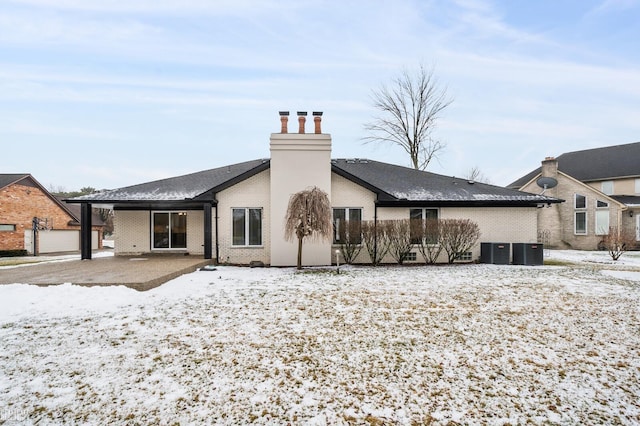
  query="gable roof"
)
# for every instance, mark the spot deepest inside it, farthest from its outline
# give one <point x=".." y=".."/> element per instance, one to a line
<point x="604" y="163"/>
<point x="12" y="178"/>
<point x="393" y="185"/>
<point x="397" y="185"/>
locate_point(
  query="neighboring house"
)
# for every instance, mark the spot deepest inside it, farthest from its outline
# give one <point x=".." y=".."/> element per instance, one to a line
<point x="236" y="213"/>
<point x="602" y="189"/>
<point x="28" y="210"/>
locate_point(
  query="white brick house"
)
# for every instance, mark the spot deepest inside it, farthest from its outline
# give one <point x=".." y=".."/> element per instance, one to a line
<point x="235" y="214"/>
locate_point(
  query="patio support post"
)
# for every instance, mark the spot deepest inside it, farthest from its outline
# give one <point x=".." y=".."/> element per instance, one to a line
<point x="85" y="231"/>
<point x="208" y="242"/>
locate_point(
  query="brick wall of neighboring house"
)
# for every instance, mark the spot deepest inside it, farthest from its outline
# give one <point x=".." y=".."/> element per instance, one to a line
<point x="19" y="204"/>
<point x="559" y="219"/>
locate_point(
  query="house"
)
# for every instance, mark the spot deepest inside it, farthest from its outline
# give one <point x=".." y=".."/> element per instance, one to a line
<point x="34" y="220"/>
<point x="236" y="213"/>
<point x="602" y="189"/>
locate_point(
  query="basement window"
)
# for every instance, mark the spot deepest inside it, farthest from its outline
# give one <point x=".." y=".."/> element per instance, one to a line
<point x="7" y="227"/>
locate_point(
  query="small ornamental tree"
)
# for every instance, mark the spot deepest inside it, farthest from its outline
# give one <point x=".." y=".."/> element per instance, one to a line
<point x="458" y="236"/>
<point x="308" y="216"/>
<point x="617" y="241"/>
<point x="349" y="236"/>
<point x="399" y="239"/>
<point x="375" y="240"/>
<point x="426" y="234"/>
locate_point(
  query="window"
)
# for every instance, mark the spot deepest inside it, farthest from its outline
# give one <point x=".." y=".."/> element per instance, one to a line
<point x="169" y="230"/>
<point x="607" y="187"/>
<point x="347" y="225"/>
<point x="425" y="215"/>
<point x="581" y="223"/>
<point x="466" y="256"/>
<point x="247" y="227"/>
<point x="637" y="185"/>
<point x="580" y="217"/>
<point x="602" y="218"/>
<point x="411" y="256"/>
<point x="7" y="227"/>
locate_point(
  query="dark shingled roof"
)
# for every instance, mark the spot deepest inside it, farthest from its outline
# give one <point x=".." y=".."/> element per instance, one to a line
<point x="605" y="163"/>
<point x="629" y="200"/>
<point x="394" y="186"/>
<point x="9" y="178"/>
<point x="180" y="188"/>
<point x="401" y="185"/>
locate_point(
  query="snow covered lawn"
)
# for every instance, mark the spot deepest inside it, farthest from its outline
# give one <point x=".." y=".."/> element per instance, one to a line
<point x="468" y="344"/>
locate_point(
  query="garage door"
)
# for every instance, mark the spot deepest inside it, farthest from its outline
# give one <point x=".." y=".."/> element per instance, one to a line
<point x="58" y="240"/>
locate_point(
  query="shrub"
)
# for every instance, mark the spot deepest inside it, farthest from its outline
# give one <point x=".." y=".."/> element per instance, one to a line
<point x="350" y="239"/>
<point x="399" y="236"/>
<point x="426" y="234"/>
<point x="375" y="239"/>
<point x="13" y="253"/>
<point x="617" y="241"/>
<point x="458" y="236"/>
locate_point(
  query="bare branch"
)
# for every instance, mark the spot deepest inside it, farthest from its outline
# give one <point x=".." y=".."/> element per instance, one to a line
<point x="409" y="111"/>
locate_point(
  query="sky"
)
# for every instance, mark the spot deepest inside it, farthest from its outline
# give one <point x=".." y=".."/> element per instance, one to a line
<point x="110" y="93"/>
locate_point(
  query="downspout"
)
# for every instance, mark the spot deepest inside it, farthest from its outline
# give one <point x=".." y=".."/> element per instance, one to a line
<point x="375" y="231"/>
<point x="217" y="239"/>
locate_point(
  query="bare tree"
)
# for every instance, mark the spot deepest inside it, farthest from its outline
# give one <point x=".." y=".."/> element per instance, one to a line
<point x="458" y="236"/>
<point x="476" y="175"/>
<point x="409" y="109"/>
<point x="308" y="216"/>
<point x="618" y="241"/>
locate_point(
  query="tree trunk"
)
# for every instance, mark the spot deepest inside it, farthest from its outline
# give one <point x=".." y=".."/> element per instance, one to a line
<point x="300" y="252"/>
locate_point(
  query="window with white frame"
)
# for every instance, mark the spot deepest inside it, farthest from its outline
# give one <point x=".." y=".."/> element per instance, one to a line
<point x="347" y="222"/>
<point x="607" y="187"/>
<point x="637" y="185"/>
<point x="247" y="226"/>
<point x="424" y="215"/>
<point x="580" y="214"/>
<point x="602" y="218"/>
<point x="169" y="230"/>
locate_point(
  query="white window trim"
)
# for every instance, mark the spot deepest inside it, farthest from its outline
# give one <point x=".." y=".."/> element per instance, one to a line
<point x="346" y="215"/>
<point x="637" y="189"/>
<point x="603" y="189"/>
<point x="246" y="228"/>
<point x="575" y="202"/>
<point x="424" y="214"/>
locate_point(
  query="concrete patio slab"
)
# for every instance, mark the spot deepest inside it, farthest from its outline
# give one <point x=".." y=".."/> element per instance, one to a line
<point x="139" y="272"/>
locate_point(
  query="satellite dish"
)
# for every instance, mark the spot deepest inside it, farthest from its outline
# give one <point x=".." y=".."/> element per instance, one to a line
<point x="546" y="182"/>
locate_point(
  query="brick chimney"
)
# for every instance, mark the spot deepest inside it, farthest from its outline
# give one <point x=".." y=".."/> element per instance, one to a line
<point x="302" y="118"/>
<point x="284" y="119"/>
<point x="549" y="167"/>
<point x="317" y="120"/>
